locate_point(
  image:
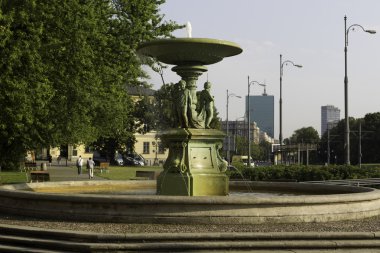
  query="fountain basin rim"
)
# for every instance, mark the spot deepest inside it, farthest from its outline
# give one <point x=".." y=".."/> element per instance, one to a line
<point x="354" y="194"/>
<point x="189" y="51"/>
<point x="352" y="203"/>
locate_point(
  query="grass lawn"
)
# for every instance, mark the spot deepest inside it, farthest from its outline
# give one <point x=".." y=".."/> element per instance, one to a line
<point x="125" y="173"/>
<point x="12" y="177"/>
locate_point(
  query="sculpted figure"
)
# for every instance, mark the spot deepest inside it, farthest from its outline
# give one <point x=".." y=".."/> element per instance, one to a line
<point x="180" y="98"/>
<point x="206" y="102"/>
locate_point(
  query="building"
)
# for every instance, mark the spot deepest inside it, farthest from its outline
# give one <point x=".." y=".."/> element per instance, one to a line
<point x="262" y="112"/>
<point x="148" y="144"/>
<point x="330" y="116"/>
<point x="238" y="128"/>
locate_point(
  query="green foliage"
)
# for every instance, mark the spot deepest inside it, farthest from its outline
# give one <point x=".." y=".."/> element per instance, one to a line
<point x="25" y="91"/>
<point x="304" y="135"/>
<point x="370" y="126"/>
<point x="64" y="67"/>
<point x="164" y="107"/>
<point x="309" y="173"/>
<point x="259" y="152"/>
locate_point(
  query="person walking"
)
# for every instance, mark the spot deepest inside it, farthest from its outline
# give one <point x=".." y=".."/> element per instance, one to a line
<point x="50" y="158"/>
<point x="90" y="168"/>
<point x="79" y="165"/>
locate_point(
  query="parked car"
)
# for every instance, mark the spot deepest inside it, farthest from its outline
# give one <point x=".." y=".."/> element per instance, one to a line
<point x="118" y="160"/>
<point x="132" y="162"/>
<point x="139" y="159"/>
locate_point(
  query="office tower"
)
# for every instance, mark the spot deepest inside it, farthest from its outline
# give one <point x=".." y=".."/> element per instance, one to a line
<point x="330" y="116"/>
<point x="262" y="112"/>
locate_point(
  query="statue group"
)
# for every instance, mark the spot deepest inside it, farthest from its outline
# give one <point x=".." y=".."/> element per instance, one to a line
<point x="192" y="110"/>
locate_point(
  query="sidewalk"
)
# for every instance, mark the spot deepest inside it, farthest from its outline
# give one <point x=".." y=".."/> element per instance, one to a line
<point x="66" y="173"/>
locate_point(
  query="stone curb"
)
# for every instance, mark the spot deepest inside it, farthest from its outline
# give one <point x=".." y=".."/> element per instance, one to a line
<point x="191" y="236"/>
<point x="255" y="242"/>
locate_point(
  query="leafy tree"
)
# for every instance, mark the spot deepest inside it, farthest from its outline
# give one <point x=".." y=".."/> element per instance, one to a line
<point x="259" y="152"/>
<point x="304" y="135"/>
<point x="370" y="125"/>
<point x="25" y="92"/>
<point x="64" y="70"/>
<point x="371" y="138"/>
<point x="337" y="152"/>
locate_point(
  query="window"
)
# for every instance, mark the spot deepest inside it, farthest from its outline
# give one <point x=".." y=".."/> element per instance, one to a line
<point x="161" y="149"/>
<point x="146" y="148"/>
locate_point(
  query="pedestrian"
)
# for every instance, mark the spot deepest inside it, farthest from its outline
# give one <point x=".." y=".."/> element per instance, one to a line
<point x="59" y="159"/>
<point x="79" y="165"/>
<point x="90" y="168"/>
<point x="50" y="158"/>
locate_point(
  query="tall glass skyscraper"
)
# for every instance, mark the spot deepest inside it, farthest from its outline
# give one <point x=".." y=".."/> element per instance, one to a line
<point x="262" y="112"/>
<point x="330" y="116"/>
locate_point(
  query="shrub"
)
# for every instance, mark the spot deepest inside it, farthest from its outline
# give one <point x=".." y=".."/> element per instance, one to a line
<point x="308" y="173"/>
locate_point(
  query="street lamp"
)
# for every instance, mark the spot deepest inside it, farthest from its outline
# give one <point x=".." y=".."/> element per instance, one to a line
<point x="346" y="119"/>
<point x="249" y="120"/>
<point x="281" y="73"/>
<point x="228" y="136"/>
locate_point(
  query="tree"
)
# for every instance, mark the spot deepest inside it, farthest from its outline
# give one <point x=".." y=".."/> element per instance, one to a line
<point x="371" y="138"/>
<point x="259" y="152"/>
<point x="65" y="67"/>
<point x="25" y="92"/>
<point x="305" y="135"/>
<point x="337" y="152"/>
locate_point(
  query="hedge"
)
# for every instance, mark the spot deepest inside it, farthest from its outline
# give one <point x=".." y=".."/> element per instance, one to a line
<point x="307" y="173"/>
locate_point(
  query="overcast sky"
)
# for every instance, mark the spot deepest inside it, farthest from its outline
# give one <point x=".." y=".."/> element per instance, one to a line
<point x="310" y="33"/>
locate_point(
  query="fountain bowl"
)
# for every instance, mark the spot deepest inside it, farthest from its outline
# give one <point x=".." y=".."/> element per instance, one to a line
<point x="189" y="51"/>
<point x="69" y="201"/>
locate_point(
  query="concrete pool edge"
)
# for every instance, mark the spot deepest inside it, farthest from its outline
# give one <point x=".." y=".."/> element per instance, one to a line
<point x="352" y="203"/>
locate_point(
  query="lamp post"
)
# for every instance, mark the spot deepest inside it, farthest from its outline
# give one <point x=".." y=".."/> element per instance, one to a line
<point x="346" y="119"/>
<point x="281" y="73"/>
<point x="228" y="134"/>
<point x="155" y="145"/>
<point x="249" y="119"/>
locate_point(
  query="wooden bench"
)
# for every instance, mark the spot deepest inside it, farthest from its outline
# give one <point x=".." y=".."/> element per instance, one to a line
<point x="39" y="176"/>
<point x="104" y="167"/>
<point x="29" y="166"/>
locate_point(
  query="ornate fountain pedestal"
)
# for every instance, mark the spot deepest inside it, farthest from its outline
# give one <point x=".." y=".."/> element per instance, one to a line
<point x="194" y="166"/>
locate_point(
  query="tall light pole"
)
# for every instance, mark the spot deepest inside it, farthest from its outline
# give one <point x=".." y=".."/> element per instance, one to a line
<point x="281" y="73"/>
<point x="346" y="119"/>
<point x="228" y="134"/>
<point x="249" y="119"/>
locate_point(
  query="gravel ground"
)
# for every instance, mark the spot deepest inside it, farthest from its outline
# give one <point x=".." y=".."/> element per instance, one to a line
<point x="365" y="225"/>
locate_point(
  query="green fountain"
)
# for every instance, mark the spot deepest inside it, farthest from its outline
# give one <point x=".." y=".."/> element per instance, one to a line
<point x="194" y="166"/>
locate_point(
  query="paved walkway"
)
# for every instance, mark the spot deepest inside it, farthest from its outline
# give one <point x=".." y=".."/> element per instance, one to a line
<point x="69" y="172"/>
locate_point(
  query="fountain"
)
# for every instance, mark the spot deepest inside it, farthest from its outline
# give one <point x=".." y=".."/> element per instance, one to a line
<point x="193" y="168"/>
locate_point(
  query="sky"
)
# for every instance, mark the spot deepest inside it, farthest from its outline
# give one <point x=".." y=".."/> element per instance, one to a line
<point x="309" y="33"/>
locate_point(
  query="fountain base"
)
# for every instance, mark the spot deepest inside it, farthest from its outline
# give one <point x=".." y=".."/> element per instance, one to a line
<point x="193" y="185"/>
<point x="194" y="166"/>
